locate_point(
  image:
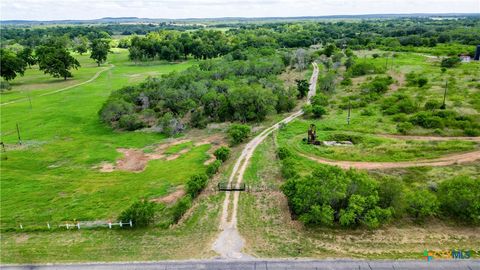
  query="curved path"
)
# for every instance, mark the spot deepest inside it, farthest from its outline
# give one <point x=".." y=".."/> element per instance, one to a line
<point x="229" y="243"/>
<point x="451" y="159"/>
<point x="429" y="138"/>
<point x="95" y="76"/>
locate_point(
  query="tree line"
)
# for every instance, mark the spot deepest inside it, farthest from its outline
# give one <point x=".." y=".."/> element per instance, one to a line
<point x="241" y="86"/>
<point x="52" y="56"/>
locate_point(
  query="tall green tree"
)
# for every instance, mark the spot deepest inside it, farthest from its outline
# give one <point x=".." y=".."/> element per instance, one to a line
<point x="80" y="44"/>
<point x="56" y="61"/>
<point x="27" y="56"/>
<point x="11" y="65"/>
<point x="100" y="49"/>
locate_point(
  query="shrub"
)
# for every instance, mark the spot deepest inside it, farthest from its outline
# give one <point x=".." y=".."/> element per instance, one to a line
<point x="5" y="86"/>
<point x="141" y="213"/>
<point x="196" y="184"/>
<point x="318" y="111"/>
<point x="238" y="133"/>
<point x="451" y="62"/>
<point x="333" y="196"/>
<point x="427" y="120"/>
<point x="213" y="167"/>
<point x="472" y="132"/>
<point x="113" y="110"/>
<point x="459" y="197"/>
<point x="222" y="153"/>
<point x="130" y="122"/>
<point x="288" y="168"/>
<point x="432" y="105"/>
<point x="180" y="207"/>
<point x="378" y="85"/>
<point x="367" y="112"/>
<point x="421" y="204"/>
<point x="364" y="68"/>
<point x="283" y="153"/>
<point x="404" y="128"/>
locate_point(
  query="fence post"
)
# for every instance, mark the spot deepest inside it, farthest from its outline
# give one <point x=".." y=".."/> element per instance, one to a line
<point x="68" y="226"/>
<point x="78" y="225"/>
<point x="21" y="226"/>
<point x="109" y="225"/>
<point x="48" y="225"/>
<point x="121" y="224"/>
<point x="131" y="225"/>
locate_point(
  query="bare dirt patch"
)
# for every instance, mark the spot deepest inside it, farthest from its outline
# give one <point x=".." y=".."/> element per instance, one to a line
<point x="172" y="197"/>
<point x="399" y="80"/>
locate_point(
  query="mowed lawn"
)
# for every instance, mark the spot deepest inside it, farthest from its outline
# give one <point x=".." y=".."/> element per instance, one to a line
<point x="50" y="177"/>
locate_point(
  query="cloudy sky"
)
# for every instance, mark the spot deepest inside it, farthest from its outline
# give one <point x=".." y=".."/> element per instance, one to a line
<point x="93" y="9"/>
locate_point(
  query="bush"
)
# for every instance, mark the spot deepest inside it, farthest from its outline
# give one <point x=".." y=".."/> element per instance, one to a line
<point x="364" y="68"/>
<point x="427" y="120"/>
<point x="288" y="168"/>
<point x="432" y="105"/>
<point x="238" y="133"/>
<point x="318" y="111"/>
<point x="141" y="213"/>
<point x="404" y="128"/>
<point x="180" y="207"/>
<point x="378" y="85"/>
<point x="196" y="184"/>
<point x="459" y="197"/>
<point x="283" y="153"/>
<point x="130" y="122"/>
<point x="367" y="112"/>
<point x="5" y="86"/>
<point x="113" y="110"/>
<point x="213" y="167"/>
<point x="222" y="153"/>
<point x="331" y="195"/>
<point x="421" y="204"/>
<point x="451" y="62"/>
<point x="472" y="132"/>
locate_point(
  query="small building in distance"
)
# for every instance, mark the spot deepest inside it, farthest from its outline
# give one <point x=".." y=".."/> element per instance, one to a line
<point x="477" y="54"/>
<point x="465" y="58"/>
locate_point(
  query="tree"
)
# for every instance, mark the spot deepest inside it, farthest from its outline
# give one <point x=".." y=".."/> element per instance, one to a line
<point x="302" y="88"/>
<point x="141" y="213"/>
<point x="222" y="153"/>
<point x="56" y="61"/>
<point x="421" y="204"/>
<point x="80" y="44"/>
<point x="100" y="49"/>
<point x="330" y="49"/>
<point x="11" y="65"/>
<point x="238" y="133"/>
<point x="196" y="184"/>
<point x="459" y="197"/>
<point x="27" y="56"/>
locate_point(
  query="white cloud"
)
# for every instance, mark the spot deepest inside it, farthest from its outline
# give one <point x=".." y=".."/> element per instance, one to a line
<point x="92" y="9"/>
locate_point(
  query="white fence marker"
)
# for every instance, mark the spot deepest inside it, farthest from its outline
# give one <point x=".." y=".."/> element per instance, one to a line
<point x="131" y="225"/>
<point x="21" y="226"/>
<point x="48" y="225"/>
<point x="78" y="225"/>
<point x="109" y="225"/>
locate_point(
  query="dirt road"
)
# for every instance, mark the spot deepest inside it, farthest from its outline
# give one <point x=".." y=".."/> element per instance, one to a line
<point x="229" y="243"/>
<point x="442" y="161"/>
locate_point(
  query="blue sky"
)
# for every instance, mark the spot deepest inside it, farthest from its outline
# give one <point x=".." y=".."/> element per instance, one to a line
<point x="92" y="9"/>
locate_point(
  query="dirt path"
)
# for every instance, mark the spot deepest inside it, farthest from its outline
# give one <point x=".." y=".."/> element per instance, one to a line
<point x="429" y="138"/>
<point x="443" y="161"/>
<point x="65" y="88"/>
<point x="229" y="243"/>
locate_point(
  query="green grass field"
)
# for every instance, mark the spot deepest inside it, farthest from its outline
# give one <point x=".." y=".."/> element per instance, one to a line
<point x="50" y="177"/>
<point x="369" y="147"/>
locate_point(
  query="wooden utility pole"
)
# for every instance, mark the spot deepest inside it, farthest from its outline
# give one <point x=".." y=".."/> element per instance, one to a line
<point x="18" y="134"/>
<point x="444" y="106"/>
<point x="348" y="115"/>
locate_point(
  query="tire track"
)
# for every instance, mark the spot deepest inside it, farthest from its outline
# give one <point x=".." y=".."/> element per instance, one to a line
<point x="95" y="76"/>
